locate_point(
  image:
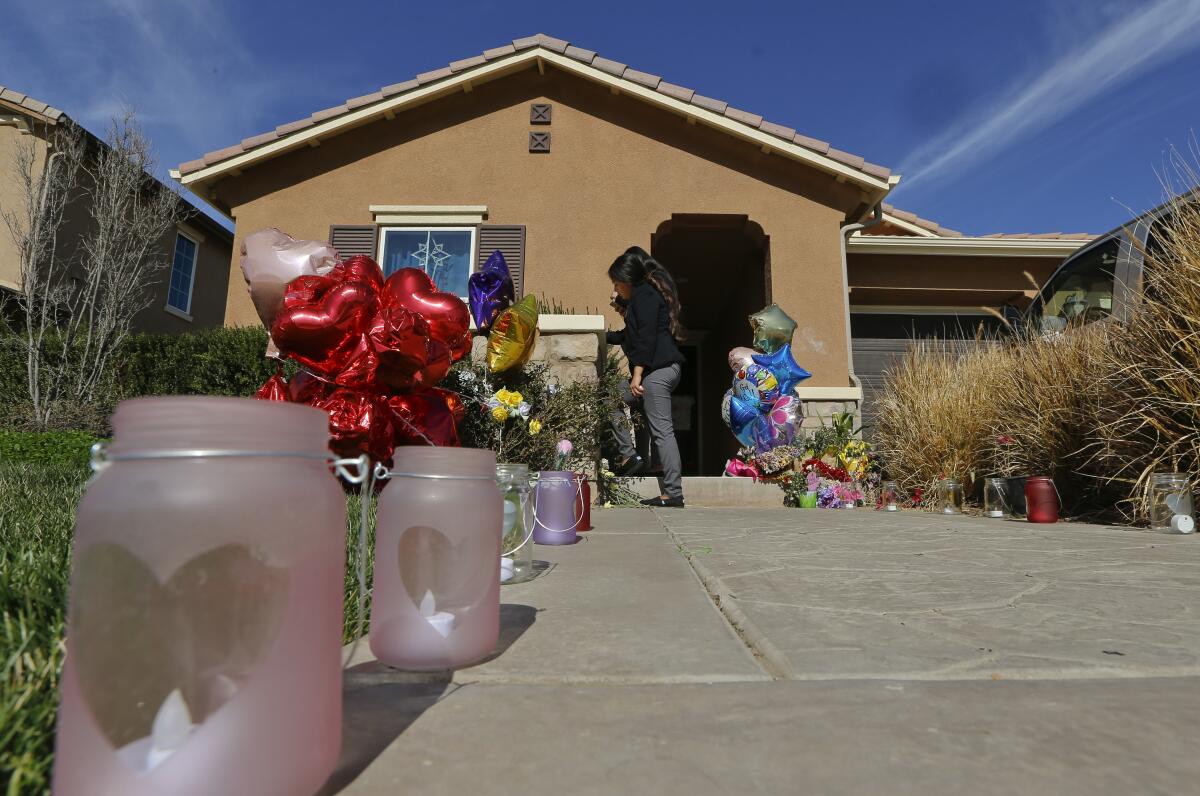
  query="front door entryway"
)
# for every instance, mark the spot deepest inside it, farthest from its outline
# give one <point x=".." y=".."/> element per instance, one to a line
<point x="720" y="263"/>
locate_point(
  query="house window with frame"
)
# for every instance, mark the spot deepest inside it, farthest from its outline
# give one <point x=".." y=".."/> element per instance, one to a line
<point x="446" y="254"/>
<point x="183" y="274"/>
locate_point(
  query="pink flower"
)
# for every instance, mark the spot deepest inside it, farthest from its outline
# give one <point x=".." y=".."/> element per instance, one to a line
<point x="1004" y="439"/>
<point x="564" y="447"/>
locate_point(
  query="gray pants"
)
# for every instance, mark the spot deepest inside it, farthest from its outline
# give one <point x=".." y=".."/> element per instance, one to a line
<point x="656" y="406"/>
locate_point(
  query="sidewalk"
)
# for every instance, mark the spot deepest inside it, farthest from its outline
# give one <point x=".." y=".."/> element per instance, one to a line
<point x="872" y="654"/>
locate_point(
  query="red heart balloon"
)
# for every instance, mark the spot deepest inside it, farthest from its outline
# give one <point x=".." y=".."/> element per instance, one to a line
<point x="362" y="269"/>
<point x="408" y="355"/>
<point x="359" y="422"/>
<point x="323" y="319"/>
<point x="448" y="317"/>
<point x="273" y="389"/>
<point x="423" y="417"/>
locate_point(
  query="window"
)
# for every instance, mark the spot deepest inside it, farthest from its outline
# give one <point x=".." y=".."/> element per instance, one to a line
<point x="446" y="254"/>
<point x="1082" y="290"/>
<point x="183" y="275"/>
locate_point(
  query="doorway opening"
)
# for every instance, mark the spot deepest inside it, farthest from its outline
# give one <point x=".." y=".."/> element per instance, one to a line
<point x="722" y="266"/>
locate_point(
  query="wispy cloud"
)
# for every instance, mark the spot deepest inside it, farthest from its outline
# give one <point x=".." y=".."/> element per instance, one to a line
<point x="1133" y="44"/>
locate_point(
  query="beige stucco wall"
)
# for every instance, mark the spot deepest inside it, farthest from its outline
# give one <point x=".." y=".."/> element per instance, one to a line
<point x="209" y="292"/>
<point x="11" y="198"/>
<point x="617" y="170"/>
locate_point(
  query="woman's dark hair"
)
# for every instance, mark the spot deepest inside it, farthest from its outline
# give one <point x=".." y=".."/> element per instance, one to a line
<point x="635" y="266"/>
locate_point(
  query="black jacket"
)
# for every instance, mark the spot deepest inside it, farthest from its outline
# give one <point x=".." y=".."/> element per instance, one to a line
<point x="646" y="338"/>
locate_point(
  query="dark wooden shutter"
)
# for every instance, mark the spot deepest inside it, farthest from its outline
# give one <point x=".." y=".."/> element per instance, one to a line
<point x="510" y="241"/>
<point x="352" y="239"/>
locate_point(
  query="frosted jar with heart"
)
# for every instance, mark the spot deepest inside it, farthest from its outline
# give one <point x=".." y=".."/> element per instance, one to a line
<point x="436" y="602"/>
<point x="204" y="627"/>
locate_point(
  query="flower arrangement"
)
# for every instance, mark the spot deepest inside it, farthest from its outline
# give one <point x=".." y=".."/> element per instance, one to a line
<point x="562" y="453"/>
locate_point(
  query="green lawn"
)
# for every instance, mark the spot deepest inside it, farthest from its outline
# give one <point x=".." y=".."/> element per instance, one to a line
<point x="37" y="513"/>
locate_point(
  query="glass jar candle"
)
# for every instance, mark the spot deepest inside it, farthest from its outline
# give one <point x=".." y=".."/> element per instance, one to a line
<point x="204" y="628"/>
<point x="951" y="496"/>
<point x="889" y="496"/>
<point x="995" y="498"/>
<point x="436" y="602"/>
<point x="1171" y="503"/>
<point x="516" y="535"/>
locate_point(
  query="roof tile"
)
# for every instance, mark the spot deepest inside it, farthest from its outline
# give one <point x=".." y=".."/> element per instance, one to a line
<point x="643" y="78"/>
<point x="37" y="106"/>
<point x="946" y="232"/>
<point x="811" y="143"/>
<point x="845" y="157"/>
<point x="223" y="154"/>
<point x="399" y="88"/>
<point x="434" y="75"/>
<point x="191" y="165"/>
<point x="259" y="140"/>
<point x="365" y="99"/>
<point x="745" y="117"/>
<point x="52" y="112"/>
<point x="580" y="54"/>
<point x="875" y="170"/>
<point x="904" y="215"/>
<point x="551" y="43"/>
<point x="329" y="113"/>
<point x="612" y="67"/>
<point x="467" y="63"/>
<point x="499" y="52"/>
<point x="678" y="92"/>
<point x="526" y="42"/>
<point x="708" y="103"/>
<point x="777" y="130"/>
<point x="291" y="127"/>
<point x="1047" y="235"/>
<point x="12" y="96"/>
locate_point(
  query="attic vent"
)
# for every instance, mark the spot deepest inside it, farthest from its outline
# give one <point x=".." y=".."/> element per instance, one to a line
<point x="539" y="113"/>
<point x="510" y="240"/>
<point x="539" y="142"/>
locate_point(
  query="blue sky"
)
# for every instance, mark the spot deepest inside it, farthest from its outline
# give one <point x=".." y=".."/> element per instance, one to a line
<point x="1017" y="116"/>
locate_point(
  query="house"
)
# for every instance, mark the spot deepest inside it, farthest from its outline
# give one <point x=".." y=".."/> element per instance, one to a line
<point x="562" y="158"/>
<point x="190" y="291"/>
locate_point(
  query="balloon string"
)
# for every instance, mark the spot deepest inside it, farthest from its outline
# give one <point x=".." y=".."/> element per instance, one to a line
<point x="366" y="490"/>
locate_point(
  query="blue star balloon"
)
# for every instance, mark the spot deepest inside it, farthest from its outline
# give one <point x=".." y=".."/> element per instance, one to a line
<point x="786" y="371"/>
<point x="490" y="291"/>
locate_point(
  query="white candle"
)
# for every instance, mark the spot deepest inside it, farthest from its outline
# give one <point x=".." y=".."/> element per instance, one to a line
<point x="506" y="569"/>
<point x="442" y="621"/>
<point x="1183" y="523"/>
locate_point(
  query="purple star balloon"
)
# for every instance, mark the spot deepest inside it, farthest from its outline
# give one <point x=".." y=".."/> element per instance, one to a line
<point x="490" y="291"/>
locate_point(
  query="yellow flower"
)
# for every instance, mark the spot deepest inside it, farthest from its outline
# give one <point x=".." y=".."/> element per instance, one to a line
<point x="500" y="414"/>
<point x="502" y="396"/>
<point x="513" y="399"/>
<point x="535" y="426"/>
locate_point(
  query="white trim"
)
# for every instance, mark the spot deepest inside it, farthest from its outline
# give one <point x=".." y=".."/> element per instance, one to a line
<point x="184" y="313"/>
<point x="908" y="226"/>
<point x="922" y="309"/>
<point x="429" y="215"/>
<point x="829" y="393"/>
<point x="514" y="63"/>
<point x="167" y="308"/>
<point x="968" y="247"/>
<point x="191" y="232"/>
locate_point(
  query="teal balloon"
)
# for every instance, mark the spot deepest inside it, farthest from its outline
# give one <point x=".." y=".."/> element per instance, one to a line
<point x="786" y="371"/>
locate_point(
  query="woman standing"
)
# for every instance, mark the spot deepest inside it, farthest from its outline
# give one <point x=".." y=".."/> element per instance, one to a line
<point x="645" y="294"/>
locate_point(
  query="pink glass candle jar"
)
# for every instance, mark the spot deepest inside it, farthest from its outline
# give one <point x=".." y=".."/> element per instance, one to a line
<point x="436" y="603"/>
<point x="205" y="621"/>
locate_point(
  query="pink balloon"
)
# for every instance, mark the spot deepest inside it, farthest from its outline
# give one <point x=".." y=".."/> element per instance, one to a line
<point x="740" y="358"/>
<point x="271" y="259"/>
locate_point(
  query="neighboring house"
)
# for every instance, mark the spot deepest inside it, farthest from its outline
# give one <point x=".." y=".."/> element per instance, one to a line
<point x="190" y="290"/>
<point x="562" y="158"/>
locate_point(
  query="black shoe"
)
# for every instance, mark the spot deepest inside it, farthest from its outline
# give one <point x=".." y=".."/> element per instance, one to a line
<point x="663" y="503"/>
<point x="630" y="466"/>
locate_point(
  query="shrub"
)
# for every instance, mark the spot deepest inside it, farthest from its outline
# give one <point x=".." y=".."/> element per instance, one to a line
<point x="69" y="448"/>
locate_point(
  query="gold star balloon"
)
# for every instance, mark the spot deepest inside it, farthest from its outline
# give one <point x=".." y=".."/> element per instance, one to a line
<point x="773" y="329"/>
